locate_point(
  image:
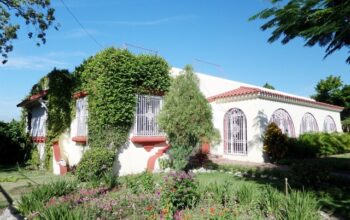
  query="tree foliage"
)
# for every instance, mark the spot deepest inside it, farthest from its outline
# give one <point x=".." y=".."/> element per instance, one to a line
<point x="14" y="144"/>
<point x="332" y="90"/>
<point x="268" y="86"/>
<point x="322" y="22"/>
<point x="34" y="13"/>
<point x="186" y="117"/>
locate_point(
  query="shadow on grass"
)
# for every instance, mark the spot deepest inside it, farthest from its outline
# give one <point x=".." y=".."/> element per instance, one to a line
<point x="8" y="198"/>
<point x="333" y="195"/>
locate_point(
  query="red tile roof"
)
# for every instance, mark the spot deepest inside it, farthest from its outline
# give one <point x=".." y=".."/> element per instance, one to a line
<point x="33" y="98"/>
<point x="244" y="90"/>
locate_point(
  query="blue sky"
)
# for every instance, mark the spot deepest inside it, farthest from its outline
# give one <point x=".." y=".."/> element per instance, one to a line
<point x="181" y="31"/>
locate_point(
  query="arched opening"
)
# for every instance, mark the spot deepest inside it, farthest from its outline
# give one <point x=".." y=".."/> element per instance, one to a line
<point x="235" y="132"/>
<point x="329" y="125"/>
<point x="283" y="120"/>
<point x="308" y="124"/>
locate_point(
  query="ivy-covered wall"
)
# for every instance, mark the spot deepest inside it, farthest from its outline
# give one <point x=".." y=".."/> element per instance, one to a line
<point x="112" y="78"/>
<point x="60" y="86"/>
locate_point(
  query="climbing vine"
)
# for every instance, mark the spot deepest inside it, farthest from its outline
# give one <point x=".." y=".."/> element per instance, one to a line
<point x="112" y="79"/>
<point x="59" y="84"/>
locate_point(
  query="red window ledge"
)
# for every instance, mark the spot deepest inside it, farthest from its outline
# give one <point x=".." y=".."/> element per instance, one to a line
<point x="80" y="94"/>
<point x="80" y="139"/>
<point x="39" y="139"/>
<point x="148" y="142"/>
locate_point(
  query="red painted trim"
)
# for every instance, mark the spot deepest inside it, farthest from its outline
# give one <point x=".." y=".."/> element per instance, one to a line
<point x="39" y="139"/>
<point x="57" y="156"/>
<point x="80" y="94"/>
<point x="38" y="95"/>
<point x="244" y="90"/>
<point x="205" y="148"/>
<point x="152" y="160"/>
<point x="80" y="139"/>
<point x="148" y="142"/>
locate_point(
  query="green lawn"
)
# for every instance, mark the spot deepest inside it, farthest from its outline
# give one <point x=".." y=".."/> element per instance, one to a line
<point x="16" y="182"/>
<point x="337" y="163"/>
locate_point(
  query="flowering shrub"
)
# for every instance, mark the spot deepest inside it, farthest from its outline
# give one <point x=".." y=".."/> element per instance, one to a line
<point x="179" y="191"/>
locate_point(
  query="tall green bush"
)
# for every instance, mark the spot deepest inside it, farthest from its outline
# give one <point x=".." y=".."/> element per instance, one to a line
<point x="319" y="144"/>
<point x="186" y="118"/>
<point x="95" y="164"/>
<point x="275" y="142"/>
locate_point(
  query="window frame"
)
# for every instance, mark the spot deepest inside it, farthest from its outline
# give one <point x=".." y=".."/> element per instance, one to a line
<point x="235" y="120"/>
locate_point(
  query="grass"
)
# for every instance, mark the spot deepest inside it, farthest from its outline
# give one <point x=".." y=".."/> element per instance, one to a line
<point x="258" y="189"/>
<point x="17" y="181"/>
<point x="337" y="163"/>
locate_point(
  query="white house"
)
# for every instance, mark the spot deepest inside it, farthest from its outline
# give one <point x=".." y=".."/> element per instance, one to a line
<point x="241" y="113"/>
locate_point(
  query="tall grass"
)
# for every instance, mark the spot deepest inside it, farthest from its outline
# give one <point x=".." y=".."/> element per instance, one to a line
<point x="35" y="200"/>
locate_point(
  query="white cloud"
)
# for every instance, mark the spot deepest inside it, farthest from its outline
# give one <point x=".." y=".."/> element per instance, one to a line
<point x="151" y="22"/>
<point x="33" y="63"/>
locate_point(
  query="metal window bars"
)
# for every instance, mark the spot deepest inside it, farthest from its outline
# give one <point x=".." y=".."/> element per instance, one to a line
<point x="329" y="125"/>
<point x="147" y="110"/>
<point x="81" y="116"/>
<point x="236" y="132"/>
<point x="308" y="124"/>
<point x="283" y="120"/>
<point x="38" y="122"/>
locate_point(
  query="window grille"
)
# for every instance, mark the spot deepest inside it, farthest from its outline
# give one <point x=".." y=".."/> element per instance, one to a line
<point x="308" y="124"/>
<point x="147" y="110"/>
<point x="283" y="120"/>
<point x="235" y="135"/>
<point x="329" y="125"/>
<point x="81" y="116"/>
<point x="38" y="122"/>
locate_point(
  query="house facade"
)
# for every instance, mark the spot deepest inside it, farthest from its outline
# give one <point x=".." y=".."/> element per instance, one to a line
<point x="241" y="113"/>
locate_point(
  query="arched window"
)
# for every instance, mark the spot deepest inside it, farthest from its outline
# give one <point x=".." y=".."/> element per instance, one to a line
<point x="329" y="125"/>
<point x="235" y="132"/>
<point x="283" y="120"/>
<point x="308" y="124"/>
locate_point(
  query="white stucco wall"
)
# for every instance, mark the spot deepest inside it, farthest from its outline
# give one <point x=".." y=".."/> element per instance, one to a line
<point x="133" y="158"/>
<point x="71" y="151"/>
<point x="258" y="113"/>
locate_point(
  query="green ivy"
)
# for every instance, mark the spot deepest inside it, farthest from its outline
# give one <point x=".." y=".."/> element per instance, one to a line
<point x="60" y="85"/>
<point x="112" y="79"/>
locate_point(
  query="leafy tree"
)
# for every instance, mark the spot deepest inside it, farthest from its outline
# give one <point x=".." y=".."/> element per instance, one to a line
<point x="35" y="13"/>
<point x="268" y="86"/>
<point x="186" y="117"/>
<point x="332" y="90"/>
<point x="329" y="90"/>
<point x="14" y="145"/>
<point x="323" y="22"/>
